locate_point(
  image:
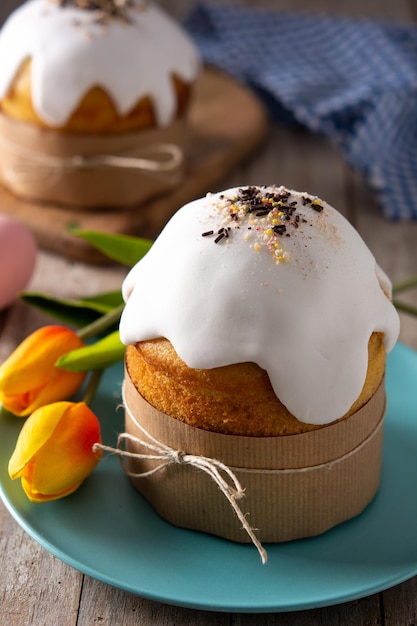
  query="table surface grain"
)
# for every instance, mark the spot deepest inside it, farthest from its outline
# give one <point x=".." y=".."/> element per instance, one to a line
<point x="37" y="589"/>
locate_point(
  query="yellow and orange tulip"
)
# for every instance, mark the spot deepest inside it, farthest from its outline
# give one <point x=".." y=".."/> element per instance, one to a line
<point x="29" y="378"/>
<point x="54" y="451"/>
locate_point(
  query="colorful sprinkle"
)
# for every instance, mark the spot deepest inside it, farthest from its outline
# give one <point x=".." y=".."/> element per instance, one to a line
<point x="270" y="212"/>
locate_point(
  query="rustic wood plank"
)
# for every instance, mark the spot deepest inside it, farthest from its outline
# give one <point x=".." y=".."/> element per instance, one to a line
<point x="101" y="604"/>
<point x="400" y="606"/>
<point x="364" y="612"/>
<point x="36" y="589"/>
<point x="6" y="7"/>
<point x="394" y="245"/>
<point x="399" y="11"/>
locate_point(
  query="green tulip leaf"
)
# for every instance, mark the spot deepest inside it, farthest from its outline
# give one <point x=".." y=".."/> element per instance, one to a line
<point x="77" y="313"/>
<point x="405" y="307"/>
<point x="97" y="356"/>
<point x="404" y="285"/>
<point x="124" y="249"/>
<point x="104" y="301"/>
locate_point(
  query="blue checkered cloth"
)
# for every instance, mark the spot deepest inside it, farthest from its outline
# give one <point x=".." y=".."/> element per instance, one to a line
<point x="353" y="81"/>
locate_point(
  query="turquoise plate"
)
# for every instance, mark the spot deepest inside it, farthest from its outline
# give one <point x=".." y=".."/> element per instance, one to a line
<point x="108" y="531"/>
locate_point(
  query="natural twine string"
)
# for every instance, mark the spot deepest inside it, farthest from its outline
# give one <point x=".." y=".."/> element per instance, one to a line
<point x="232" y="490"/>
<point x="171" y="157"/>
<point x="311" y="468"/>
<point x="220" y="473"/>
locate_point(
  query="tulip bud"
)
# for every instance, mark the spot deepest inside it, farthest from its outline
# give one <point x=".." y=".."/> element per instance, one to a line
<point x="54" y="451"/>
<point x="29" y="378"/>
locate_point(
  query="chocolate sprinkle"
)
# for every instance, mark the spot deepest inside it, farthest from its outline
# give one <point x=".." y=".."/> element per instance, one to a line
<point x="106" y="9"/>
<point x="277" y="215"/>
<point x="279" y="229"/>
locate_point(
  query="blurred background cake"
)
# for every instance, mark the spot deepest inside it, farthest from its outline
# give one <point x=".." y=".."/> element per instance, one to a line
<point x="82" y="78"/>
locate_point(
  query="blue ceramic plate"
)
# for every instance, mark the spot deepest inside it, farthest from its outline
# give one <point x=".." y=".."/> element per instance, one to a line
<point x="109" y="532"/>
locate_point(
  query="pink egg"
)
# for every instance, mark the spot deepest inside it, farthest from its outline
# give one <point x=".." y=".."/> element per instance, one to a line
<point x="17" y="259"/>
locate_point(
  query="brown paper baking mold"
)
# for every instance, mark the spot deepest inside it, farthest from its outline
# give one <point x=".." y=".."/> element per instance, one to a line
<point x="68" y="169"/>
<point x="292" y="486"/>
<point x="295" y="486"/>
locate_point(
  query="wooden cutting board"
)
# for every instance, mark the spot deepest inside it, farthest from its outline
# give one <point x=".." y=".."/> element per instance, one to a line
<point x="227" y="124"/>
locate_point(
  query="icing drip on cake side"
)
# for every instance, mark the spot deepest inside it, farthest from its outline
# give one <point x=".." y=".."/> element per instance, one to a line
<point x="267" y="275"/>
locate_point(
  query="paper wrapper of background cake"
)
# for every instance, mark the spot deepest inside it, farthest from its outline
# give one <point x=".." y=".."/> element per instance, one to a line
<point x="67" y="169"/>
<point x="295" y="486"/>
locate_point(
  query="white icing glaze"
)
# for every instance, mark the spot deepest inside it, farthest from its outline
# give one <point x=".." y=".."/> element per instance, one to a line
<point x="302" y="306"/>
<point x="71" y="53"/>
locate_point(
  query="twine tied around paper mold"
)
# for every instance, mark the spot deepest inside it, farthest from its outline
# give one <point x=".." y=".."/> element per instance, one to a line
<point x="223" y="475"/>
<point x="220" y="473"/>
<point x="168" y="157"/>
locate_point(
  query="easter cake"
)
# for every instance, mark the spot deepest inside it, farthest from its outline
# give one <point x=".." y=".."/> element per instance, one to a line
<point x="82" y="79"/>
<point x="257" y="329"/>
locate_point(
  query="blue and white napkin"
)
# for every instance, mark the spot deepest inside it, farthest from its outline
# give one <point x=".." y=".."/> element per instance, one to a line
<point x="354" y="81"/>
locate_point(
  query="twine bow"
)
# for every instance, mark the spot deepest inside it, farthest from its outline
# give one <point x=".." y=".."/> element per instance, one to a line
<point x="220" y="473"/>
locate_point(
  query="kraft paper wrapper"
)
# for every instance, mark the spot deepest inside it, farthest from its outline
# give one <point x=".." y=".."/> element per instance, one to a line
<point x="283" y="499"/>
<point x="21" y="144"/>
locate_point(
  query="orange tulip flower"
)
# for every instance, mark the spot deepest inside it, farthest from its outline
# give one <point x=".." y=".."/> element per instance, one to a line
<point x="54" y="451"/>
<point x="29" y="378"/>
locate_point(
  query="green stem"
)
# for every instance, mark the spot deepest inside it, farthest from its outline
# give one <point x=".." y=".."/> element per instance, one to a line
<point x="92" y="386"/>
<point x="406" y="308"/>
<point x="405" y="284"/>
<point x="101" y="324"/>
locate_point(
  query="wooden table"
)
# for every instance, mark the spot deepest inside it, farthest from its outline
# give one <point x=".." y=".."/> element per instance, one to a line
<point x="36" y="589"/>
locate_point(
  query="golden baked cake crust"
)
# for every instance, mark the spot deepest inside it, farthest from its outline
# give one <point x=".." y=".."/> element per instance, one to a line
<point x="95" y="113"/>
<point x="236" y="399"/>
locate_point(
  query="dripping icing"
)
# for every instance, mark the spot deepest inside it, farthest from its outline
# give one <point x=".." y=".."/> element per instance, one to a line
<point x="306" y="320"/>
<point x="150" y="47"/>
